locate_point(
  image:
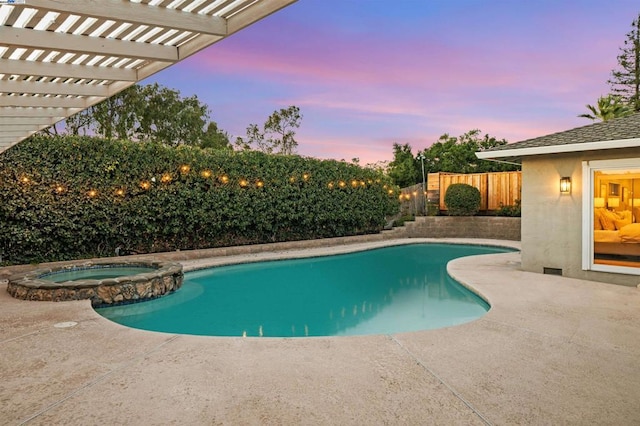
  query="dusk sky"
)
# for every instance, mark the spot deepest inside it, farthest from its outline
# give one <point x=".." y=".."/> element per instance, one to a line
<point x="368" y="73"/>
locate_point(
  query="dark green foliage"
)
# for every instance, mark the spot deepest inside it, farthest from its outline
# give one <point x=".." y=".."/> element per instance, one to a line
<point x="462" y="200"/>
<point x="458" y="154"/>
<point x="448" y="154"/>
<point x="402" y="169"/>
<point x="512" y="211"/>
<point x="149" y="113"/>
<point x="402" y="219"/>
<point x="151" y="198"/>
<point x="625" y="81"/>
<point x="607" y="108"/>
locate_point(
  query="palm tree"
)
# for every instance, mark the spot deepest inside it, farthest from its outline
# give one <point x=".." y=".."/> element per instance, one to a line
<point x="608" y="107"/>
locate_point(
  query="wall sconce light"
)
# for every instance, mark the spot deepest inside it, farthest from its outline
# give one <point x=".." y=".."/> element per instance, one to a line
<point x="565" y="185"/>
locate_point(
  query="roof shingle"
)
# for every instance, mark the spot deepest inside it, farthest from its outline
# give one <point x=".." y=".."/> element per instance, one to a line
<point x="616" y="129"/>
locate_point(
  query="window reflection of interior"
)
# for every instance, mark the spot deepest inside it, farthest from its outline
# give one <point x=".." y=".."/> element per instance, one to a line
<point x="616" y="235"/>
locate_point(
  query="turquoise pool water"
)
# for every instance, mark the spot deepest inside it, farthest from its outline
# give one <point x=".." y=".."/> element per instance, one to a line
<point x="387" y="290"/>
<point x="95" y="273"/>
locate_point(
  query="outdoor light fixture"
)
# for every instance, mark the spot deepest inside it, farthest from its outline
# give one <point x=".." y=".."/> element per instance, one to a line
<point x="565" y="185"/>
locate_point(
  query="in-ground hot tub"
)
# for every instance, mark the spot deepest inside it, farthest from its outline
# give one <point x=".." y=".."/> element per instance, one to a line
<point x="103" y="282"/>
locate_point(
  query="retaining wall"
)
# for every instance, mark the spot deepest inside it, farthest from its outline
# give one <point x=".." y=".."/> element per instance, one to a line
<point x="490" y="227"/>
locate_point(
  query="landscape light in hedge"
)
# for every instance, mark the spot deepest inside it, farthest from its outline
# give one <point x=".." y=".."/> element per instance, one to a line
<point x="184" y="169"/>
<point x="185" y="211"/>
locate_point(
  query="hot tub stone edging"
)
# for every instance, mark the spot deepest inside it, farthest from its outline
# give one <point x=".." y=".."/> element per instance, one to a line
<point x="167" y="277"/>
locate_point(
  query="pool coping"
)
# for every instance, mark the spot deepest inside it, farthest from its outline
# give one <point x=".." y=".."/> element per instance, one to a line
<point x="552" y="350"/>
<point x="165" y="278"/>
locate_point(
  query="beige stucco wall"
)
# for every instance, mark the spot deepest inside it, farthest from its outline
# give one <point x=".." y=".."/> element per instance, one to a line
<point x="552" y="223"/>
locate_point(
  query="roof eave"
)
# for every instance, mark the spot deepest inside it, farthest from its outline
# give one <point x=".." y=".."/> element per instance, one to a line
<point x="556" y="149"/>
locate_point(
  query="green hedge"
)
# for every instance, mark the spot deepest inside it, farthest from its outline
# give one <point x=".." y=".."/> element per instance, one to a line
<point x="79" y="197"/>
<point x="462" y="200"/>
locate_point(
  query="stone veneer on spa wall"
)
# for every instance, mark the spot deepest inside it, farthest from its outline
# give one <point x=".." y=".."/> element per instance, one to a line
<point x="164" y="278"/>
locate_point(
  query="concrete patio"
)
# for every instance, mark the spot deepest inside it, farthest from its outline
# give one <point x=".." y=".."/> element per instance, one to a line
<point x="551" y="350"/>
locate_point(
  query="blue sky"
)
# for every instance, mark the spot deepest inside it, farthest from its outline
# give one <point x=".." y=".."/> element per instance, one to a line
<point x="368" y="73"/>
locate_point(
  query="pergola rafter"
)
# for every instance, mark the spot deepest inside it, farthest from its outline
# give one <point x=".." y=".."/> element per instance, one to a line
<point x="60" y="57"/>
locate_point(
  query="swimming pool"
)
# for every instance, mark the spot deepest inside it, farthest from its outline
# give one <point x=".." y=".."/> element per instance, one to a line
<point x="386" y="290"/>
<point x="95" y="273"/>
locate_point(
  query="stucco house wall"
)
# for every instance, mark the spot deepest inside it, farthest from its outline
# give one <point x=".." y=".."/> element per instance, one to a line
<point x="552" y="223"/>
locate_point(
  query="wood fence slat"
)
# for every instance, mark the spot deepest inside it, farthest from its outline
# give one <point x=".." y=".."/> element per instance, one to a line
<point x="496" y="189"/>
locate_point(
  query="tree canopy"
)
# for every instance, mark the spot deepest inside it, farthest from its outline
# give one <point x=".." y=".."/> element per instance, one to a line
<point x="402" y="170"/>
<point x="607" y="108"/>
<point x="277" y="134"/>
<point x="448" y="154"/>
<point x="625" y="80"/>
<point x="149" y="113"/>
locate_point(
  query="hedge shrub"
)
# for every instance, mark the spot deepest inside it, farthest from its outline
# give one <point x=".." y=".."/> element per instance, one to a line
<point x="81" y="197"/>
<point x="462" y="200"/>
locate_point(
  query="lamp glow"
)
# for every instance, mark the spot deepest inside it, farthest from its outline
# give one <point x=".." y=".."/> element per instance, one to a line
<point x="598" y="202"/>
<point x="613" y="202"/>
<point x="565" y="185"/>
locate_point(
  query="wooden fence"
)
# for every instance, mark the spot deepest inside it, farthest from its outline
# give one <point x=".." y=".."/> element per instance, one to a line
<point x="496" y="190"/>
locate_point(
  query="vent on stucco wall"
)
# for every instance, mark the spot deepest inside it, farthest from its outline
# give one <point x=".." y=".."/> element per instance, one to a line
<point x="552" y="271"/>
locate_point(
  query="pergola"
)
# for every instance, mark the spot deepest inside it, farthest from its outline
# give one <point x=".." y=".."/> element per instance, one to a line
<point x="58" y="57"/>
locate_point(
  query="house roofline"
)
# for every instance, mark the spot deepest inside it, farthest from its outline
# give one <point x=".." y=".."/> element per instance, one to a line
<point x="556" y="149"/>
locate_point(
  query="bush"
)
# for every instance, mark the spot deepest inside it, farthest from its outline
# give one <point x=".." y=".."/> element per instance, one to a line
<point x="511" y="211"/>
<point x="462" y="200"/>
<point x="403" y="219"/>
<point x="79" y="197"/>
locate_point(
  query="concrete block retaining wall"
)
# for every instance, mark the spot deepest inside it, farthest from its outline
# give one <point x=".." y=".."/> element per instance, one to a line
<point x="489" y="227"/>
